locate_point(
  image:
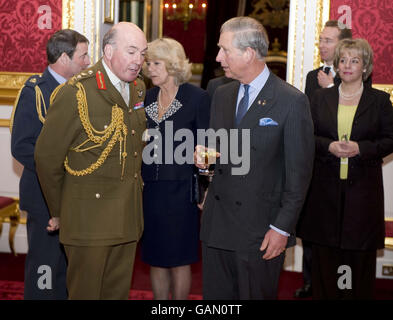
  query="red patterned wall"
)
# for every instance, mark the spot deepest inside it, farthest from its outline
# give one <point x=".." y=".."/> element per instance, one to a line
<point x="373" y="21"/>
<point x="22" y="39"/>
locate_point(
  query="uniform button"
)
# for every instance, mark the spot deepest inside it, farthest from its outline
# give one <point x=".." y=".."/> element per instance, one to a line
<point x="217" y="197"/>
<point x="98" y="196"/>
<point x="135" y="175"/>
<point x="133" y="132"/>
<point x="155" y="146"/>
<point x="105" y="126"/>
<point x="238" y="203"/>
<point x="135" y="154"/>
<point x="155" y="155"/>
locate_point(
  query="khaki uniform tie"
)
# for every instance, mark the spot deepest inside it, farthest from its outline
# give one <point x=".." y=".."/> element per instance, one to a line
<point x="123" y="91"/>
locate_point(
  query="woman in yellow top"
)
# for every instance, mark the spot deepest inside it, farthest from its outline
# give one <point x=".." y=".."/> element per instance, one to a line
<point x="343" y="214"/>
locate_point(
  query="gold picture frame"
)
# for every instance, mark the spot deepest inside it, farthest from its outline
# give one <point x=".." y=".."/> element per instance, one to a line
<point x="10" y="84"/>
<point x="109" y="11"/>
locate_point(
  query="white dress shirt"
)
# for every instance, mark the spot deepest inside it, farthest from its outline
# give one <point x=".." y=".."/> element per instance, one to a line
<point x="116" y="81"/>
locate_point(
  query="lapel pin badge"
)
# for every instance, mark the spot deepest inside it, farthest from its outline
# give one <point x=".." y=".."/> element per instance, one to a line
<point x="263" y="103"/>
<point x="140" y="93"/>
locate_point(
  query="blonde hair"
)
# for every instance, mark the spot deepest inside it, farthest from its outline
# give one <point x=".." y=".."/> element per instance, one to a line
<point x="172" y="53"/>
<point x="362" y="47"/>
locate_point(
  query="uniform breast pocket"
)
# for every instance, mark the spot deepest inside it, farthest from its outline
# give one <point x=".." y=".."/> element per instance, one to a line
<point x="98" y="212"/>
<point x="140" y="115"/>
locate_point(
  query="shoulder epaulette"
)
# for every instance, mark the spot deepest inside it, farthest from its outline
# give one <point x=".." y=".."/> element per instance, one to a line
<point x="31" y="82"/>
<point x="80" y="76"/>
<point x="34" y="80"/>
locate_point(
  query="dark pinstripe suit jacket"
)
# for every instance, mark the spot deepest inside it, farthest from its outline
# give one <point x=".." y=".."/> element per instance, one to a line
<point x="240" y="208"/>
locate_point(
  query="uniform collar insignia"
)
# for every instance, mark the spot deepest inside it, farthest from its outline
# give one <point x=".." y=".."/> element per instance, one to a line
<point x="100" y="80"/>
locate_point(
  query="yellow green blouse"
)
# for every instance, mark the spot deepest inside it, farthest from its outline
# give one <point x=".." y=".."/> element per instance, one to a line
<point x="345" y="118"/>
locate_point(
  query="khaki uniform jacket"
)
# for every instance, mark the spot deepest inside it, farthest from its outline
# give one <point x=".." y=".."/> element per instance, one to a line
<point x="100" y="208"/>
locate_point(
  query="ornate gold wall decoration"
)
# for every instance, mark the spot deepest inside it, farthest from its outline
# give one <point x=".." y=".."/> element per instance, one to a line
<point x="388" y="88"/>
<point x="291" y="63"/>
<point x="10" y="83"/>
<point x="319" y="26"/>
<point x="4" y="123"/>
<point x="68" y="14"/>
<point x="273" y="13"/>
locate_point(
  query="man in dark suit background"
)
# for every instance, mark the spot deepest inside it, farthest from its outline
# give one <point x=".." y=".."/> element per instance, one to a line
<point x="213" y="84"/>
<point x="67" y="53"/>
<point x="322" y="77"/>
<point x="249" y="218"/>
<point x="325" y="76"/>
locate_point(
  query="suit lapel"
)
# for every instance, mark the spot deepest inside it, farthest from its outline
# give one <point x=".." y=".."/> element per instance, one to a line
<point x="230" y="105"/>
<point x="261" y="105"/>
<point x="332" y="109"/>
<point x="364" y="103"/>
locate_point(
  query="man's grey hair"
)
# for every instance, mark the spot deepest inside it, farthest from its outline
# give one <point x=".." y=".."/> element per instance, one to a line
<point x="248" y="32"/>
<point x="109" y="38"/>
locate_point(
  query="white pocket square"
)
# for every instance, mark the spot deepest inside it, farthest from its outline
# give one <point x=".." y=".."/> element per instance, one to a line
<point x="267" y="122"/>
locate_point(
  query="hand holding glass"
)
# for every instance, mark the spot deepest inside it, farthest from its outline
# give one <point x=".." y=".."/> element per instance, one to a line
<point x="208" y="157"/>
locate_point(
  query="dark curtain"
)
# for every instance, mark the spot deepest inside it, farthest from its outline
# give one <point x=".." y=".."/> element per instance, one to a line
<point x="218" y="12"/>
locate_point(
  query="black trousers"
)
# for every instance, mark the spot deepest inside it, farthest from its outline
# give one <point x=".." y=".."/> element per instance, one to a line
<point x="307" y="262"/>
<point x="46" y="263"/>
<point x="231" y="275"/>
<point x="326" y="262"/>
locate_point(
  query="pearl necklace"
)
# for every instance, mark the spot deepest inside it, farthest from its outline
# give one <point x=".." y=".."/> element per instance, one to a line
<point x="163" y="109"/>
<point x="349" y="96"/>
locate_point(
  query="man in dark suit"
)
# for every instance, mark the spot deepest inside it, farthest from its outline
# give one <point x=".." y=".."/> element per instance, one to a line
<point x="322" y="77"/>
<point x="213" y="84"/>
<point x="325" y="76"/>
<point x="67" y="52"/>
<point x="250" y="215"/>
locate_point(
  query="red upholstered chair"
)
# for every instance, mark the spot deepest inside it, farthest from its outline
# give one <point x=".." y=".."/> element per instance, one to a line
<point x="9" y="212"/>
<point x="389" y="233"/>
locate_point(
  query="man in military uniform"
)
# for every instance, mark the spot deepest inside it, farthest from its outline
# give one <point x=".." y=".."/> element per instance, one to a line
<point x="88" y="160"/>
<point x="67" y="53"/>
